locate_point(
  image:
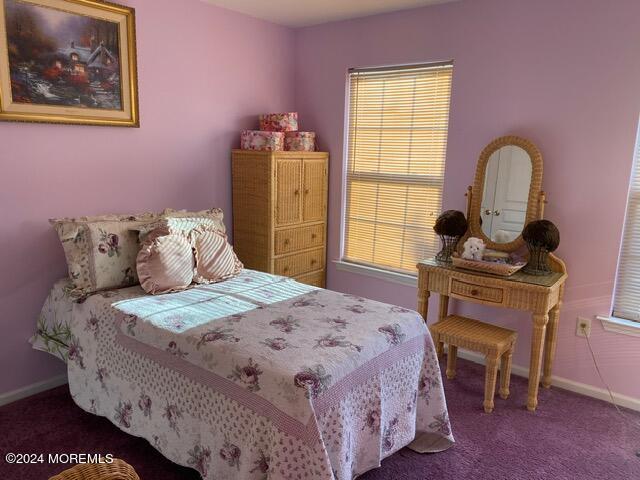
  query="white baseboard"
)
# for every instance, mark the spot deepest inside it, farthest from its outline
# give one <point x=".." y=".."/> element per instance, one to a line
<point x="32" y="389"/>
<point x="561" y="382"/>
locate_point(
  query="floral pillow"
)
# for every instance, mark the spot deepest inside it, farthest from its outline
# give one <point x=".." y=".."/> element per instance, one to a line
<point x="100" y="251"/>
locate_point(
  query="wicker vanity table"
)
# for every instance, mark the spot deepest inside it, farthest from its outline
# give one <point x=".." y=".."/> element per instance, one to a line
<point x="542" y="296"/>
<point x="539" y="294"/>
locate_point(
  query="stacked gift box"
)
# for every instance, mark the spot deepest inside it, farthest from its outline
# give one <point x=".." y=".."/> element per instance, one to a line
<point x="278" y="131"/>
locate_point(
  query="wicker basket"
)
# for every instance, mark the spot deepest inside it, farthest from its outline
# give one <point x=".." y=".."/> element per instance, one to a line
<point x="117" y="470"/>
<point x="495" y="268"/>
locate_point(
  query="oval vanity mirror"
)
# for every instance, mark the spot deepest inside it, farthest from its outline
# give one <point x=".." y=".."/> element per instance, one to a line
<point x="506" y="193"/>
<point x="507" y="181"/>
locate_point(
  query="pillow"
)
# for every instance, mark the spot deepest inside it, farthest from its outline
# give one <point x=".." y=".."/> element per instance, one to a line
<point x="165" y="262"/>
<point x="214" y="214"/>
<point x="100" y="251"/>
<point x="184" y="222"/>
<point x="215" y="259"/>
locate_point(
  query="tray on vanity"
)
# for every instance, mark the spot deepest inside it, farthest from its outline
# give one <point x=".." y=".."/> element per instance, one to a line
<point x="494" y="268"/>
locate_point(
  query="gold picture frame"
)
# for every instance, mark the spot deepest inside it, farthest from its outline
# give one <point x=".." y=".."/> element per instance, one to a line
<point x="68" y="61"/>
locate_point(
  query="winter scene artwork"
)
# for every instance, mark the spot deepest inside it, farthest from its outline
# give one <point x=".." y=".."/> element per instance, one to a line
<point x="67" y="54"/>
<point x="60" y="58"/>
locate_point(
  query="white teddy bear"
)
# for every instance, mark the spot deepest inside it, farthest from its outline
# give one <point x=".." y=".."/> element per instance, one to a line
<point x="473" y="249"/>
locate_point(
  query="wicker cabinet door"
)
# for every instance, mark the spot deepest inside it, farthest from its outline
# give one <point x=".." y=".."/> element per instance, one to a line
<point x="314" y="190"/>
<point x="288" y="191"/>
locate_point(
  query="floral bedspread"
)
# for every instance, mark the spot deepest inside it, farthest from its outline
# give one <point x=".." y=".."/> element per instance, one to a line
<point x="53" y="329"/>
<point x="259" y="377"/>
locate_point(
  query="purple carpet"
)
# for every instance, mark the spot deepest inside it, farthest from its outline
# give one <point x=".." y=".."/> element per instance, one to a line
<point x="569" y="437"/>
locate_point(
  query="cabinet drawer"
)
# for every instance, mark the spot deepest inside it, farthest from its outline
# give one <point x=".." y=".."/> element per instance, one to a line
<point x="316" y="278"/>
<point x="478" y="292"/>
<point x="299" y="238"/>
<point x="299" y="263"/>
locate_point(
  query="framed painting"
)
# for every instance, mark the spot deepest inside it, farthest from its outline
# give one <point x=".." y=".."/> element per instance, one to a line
<point x="68" y="61"/>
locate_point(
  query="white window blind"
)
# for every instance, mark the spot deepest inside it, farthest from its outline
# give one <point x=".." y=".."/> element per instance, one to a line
<point x="397" y="141"/>
<point x="626" y="302"/>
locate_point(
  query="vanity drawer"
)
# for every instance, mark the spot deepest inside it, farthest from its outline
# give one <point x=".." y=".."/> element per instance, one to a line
<point x="299" y="238"/>
<point x="478" y="292"/>
<point x="298" y="263"/>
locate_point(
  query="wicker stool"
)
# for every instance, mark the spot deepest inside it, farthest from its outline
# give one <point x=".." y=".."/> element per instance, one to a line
<point x="118" y="470"/>
<point x="494" y="342"/>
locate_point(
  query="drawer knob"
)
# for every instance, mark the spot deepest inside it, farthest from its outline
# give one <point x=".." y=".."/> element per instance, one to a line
<point x="286" y="241"/>
<point x="285" y="269"/>
<point x="306" y="191"/>
<point x="474" y="292"/>
<point x="313" y="235"/>
<point x="313" y="262"/>
<point x="296" y="192"/>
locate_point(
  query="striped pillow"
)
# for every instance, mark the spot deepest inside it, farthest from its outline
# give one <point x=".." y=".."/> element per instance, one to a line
<point x="215" y="259"/>
<point x="182" y="221"/>
<point x="165" y="262"/>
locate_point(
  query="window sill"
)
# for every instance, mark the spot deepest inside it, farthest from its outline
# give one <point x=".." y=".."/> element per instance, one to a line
<point x="620" y="325"/>
<point x="379" y="273"/>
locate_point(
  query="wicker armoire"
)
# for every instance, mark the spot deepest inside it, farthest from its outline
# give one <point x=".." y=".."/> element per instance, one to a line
<point x="280" y="212"/>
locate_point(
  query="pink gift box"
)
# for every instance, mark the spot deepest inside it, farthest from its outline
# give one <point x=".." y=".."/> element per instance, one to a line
<point x="261" y="140"/>
<point x="300" y="141"/>
<point x="279" y="122"/>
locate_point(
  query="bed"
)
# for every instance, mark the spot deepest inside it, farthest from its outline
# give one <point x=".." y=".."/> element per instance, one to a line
<point x="257" y="377"/>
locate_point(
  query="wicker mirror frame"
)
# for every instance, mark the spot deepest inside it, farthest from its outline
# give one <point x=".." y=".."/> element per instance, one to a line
<point x="535" y="199"/>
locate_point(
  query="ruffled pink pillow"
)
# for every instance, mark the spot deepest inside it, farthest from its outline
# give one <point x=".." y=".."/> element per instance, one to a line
<point x="165" y="262"/>
<point x="215" y="259"/>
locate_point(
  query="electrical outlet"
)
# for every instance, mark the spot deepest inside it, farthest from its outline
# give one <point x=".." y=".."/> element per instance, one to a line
<point x="583" y="327"/>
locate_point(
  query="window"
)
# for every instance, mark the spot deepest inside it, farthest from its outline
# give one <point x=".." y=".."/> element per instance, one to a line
<point x="397" y="141"/>
<point x="626" y="301"/>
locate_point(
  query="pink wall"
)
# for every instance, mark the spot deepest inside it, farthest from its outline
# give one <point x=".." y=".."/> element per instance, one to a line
<point x="205" y="73"/>
<point x="563" y="73"/>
